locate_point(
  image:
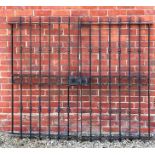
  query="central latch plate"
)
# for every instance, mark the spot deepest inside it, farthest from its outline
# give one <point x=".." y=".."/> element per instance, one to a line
<point x="76" y="80"/>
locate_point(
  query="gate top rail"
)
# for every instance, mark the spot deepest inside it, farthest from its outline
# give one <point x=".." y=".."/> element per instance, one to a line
<point x="83" y="22"/>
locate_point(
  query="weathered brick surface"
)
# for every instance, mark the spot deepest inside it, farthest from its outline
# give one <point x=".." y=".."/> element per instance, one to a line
<point x="10" y="13"/>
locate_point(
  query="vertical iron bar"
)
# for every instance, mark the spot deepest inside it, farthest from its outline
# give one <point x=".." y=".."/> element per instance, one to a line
<point x="139" y="75"/>
<point x="90" y="74"/>
<point x="109" y="84"/>
<point x="21" y="80"/>
<point x="59" y="79"/>
<point x="80" y="57"/>
<point x="12" y="70"/>
<point x="78" y="52"/>
<point x="49" y="78"/>
<point x="30" y="26"/>
<point x="149" y="118"/>
<point x="119" y="76"/>
<point x="129" y="75"/>
<point x="40" y="52"/>
<point x="68" y="105"/>
<point x="100" y="79"/>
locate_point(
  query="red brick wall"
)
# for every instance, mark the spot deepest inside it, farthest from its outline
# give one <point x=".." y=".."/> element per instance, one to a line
<point x="7" y="14"/>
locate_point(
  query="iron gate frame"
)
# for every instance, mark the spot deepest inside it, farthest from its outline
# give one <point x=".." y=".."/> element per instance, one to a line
<point x="109" y="22"/>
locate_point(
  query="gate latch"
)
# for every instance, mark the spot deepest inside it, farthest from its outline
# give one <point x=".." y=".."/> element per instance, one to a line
<point x="82" y="80"/>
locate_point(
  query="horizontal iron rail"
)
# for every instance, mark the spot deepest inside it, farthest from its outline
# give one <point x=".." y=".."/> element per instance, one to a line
<point x="83" y="138"/>
<point x="87" y="23"/>
<point x="35" y="75"/>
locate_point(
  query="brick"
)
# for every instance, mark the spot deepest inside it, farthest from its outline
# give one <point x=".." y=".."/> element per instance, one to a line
<point x="60" y="13"/>
<point x="126" y="7"/>
<point x="107" y="7"/>
<point x="23" y="12"/>
<point x="116" y="12"/>
<point x="7" y="13"/>
<point x="98" y="13"/>
<point x="79" y="13"/>
<point x="42" y="13"/>
<point x="87" y="7"/>
<point x="144" y="7"/>
<point x="3" y="31"/>
<point x="149" y="12"/>
<point x="3" y="43"/>
<point x="135" y="12"/>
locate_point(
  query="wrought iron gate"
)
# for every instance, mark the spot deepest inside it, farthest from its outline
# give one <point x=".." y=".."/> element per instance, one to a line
<point x="81" y="78"/>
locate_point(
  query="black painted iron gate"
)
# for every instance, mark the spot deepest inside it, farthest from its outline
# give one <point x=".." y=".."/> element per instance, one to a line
<point x="81" y="78"/>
